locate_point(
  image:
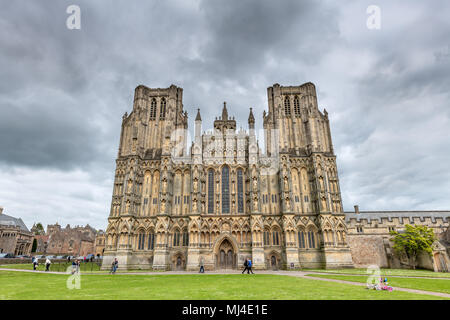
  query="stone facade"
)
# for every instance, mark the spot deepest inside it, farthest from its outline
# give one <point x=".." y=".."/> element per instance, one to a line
<point x="15" y="237"/>
<point x="77" y="241"/>
<point x="41" y="243"/>
<point x="100" y="240"/>
<point x="225" y="199"/>
<point x="369" y="238"/>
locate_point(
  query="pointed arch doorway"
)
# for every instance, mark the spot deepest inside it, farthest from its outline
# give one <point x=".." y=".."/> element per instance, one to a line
<point x="225" y="256"/>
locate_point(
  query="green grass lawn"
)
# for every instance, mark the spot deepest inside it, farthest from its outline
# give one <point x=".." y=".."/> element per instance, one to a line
<point x="61" y="267"/>
<point x="87" y="268"/>
<point x="388" y="272"/>
<point x="25" y="285"/>
<point x="435" y="285"/>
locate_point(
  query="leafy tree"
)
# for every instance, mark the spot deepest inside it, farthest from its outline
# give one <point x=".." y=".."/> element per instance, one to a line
<point x="412" y="241"/>
<point x="39" y="229"/>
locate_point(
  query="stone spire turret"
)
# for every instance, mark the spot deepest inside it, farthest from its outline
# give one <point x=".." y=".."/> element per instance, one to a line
<point x="251" y="120"/>
<point x="224" y="112"/>
<point x="198" y="117"/>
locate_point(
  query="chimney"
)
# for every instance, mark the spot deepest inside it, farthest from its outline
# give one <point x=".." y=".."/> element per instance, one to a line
<point x="1" y="210"/>
<point x="356" y="209"/>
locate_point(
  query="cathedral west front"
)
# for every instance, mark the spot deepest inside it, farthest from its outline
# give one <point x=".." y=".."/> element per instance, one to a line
<point x="226" y="198"/>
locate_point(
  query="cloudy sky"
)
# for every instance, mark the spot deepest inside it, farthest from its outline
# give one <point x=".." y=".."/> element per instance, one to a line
<point x="63" y="92"/>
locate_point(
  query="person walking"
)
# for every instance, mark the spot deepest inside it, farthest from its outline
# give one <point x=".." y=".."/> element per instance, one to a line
<point x="202" y="268"/>
<point x="250" y="267"/>
<point x="114" y="266"/>
<point x="35" y="263"/>
<point x="77" y="263"/>
<point x="47" y="264"/>
<point x="245" y="266"/>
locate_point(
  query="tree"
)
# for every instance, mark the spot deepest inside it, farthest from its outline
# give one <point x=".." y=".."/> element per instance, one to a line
<point x="412" y="241"/>
<point x="38" y="229"/>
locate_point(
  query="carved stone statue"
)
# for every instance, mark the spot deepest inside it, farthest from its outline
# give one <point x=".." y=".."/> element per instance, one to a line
<point x="286" y="184"/>
<point x="255" y="204"/>
<point x="195" y="185"/>
<point x="288" y="204"/>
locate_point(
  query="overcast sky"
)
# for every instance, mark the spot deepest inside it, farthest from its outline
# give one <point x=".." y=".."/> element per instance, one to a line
<point x="63" y="92"/>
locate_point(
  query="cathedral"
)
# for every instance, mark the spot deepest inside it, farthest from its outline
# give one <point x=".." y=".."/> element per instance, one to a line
<point x="225" y="198"/>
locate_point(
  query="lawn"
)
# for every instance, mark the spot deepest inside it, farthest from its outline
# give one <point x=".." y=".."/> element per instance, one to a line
<point x="85" y="267"/>
<point x="61" y="267"/>
<point x="26" y="285"/>
<point x="436" y="285"/>
<point x="387" y="272"/>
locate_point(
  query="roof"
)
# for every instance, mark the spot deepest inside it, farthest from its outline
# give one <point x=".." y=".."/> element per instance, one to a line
<point x="378" y="215"/>
<point x="11" y="221"/>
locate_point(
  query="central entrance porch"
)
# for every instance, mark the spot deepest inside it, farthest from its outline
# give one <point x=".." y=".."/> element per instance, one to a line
<point x="225" y="255"/>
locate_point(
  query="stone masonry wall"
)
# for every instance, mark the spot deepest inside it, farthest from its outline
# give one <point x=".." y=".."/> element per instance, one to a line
<point x="367" y="250"/>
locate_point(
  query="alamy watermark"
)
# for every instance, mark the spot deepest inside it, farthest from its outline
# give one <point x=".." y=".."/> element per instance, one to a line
<point x="74" y="280"/>
<point x="74" y="19"/>
<point x="374" y="19"/>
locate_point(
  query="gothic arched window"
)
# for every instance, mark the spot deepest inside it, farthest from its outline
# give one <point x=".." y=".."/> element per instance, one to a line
<point x="151" y="241"/>
<point x="225" y="190"/>
<point x="311" y="239"/>
<point x="266" y="237"/>
<point x="162" y="110"/>
<point x="296" y="106"/>
<point x="210" y="191"/>
<point x="287" y="106"/>
<point x="275" y="238"/>
<point x="185" y="238"/>
<point x="141" y="241"/>
<point x="240" y="191"/>
<point x="153" y="109"/>
<point x="301" y="239"/>
<point x="176" y="238"/>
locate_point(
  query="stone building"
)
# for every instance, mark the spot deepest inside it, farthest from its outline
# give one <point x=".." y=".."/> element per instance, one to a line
<point x="15" y="237"/>
<point x="225" y="199"/>
<point x="77" y="241"/>
<point x="369" y="238"/>
<point x="100" y="243"/>
<point x="41" y="243"/>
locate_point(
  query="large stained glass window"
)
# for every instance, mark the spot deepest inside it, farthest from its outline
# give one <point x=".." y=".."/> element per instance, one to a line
<point x="240" y="191"/>
<point x="211" y="191"/>
<point x="225" y="190"/>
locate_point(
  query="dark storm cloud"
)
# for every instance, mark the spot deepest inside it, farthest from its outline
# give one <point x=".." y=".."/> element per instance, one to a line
<point x="63" y="92"/>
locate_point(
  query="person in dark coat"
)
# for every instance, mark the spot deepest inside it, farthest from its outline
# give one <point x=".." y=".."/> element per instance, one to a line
<point x="249" y="268"/>
<point x="245" y="266"/>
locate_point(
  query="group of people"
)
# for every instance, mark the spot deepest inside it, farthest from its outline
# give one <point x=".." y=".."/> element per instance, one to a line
<point x="75" y="266"/>
<point x="247" y="266"/>
<point x="35" y="262"/>
<point x="381" y="285"/>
